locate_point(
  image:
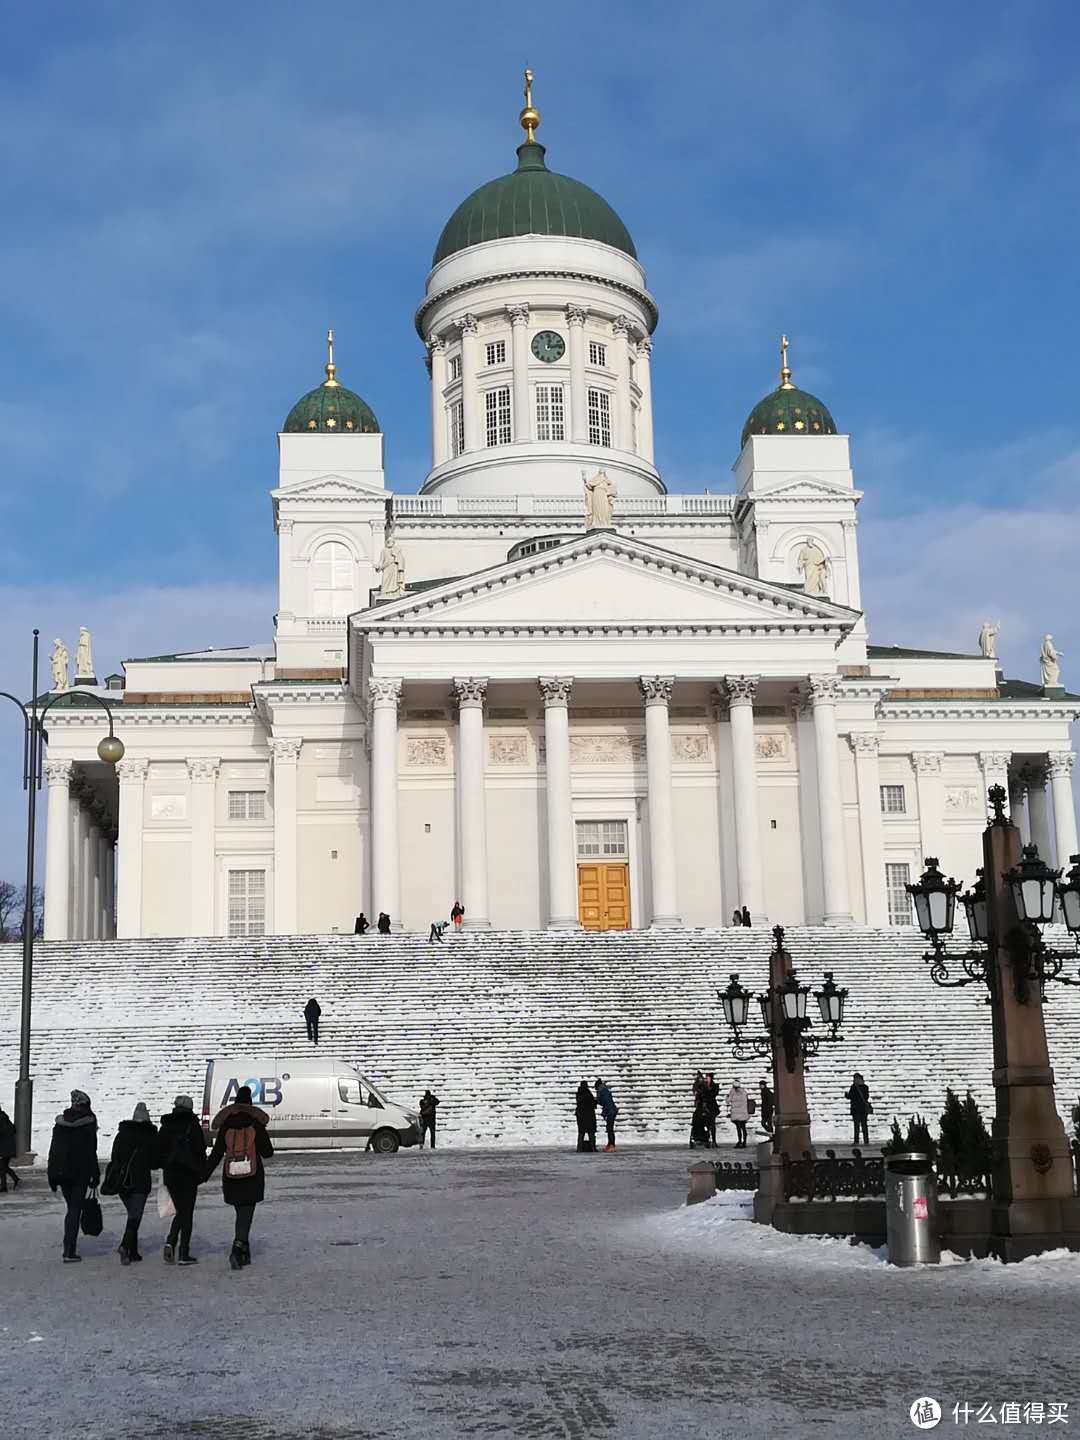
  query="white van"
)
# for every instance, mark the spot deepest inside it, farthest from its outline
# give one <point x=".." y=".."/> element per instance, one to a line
<point x="313" y="1104"/>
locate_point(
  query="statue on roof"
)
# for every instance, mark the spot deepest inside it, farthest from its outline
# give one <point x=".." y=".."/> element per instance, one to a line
<point x="813" y="565"/>
<point x="84" y="660"/>
<point x="59" y="662"/>
<point x="600" y="494"/>
<point x="392" y="569"/>
<point x="988" y="639"/>
<point x="1050" y="663"/>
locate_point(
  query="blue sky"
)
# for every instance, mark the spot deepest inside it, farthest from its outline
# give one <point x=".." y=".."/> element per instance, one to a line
<point x="193" y="194"/>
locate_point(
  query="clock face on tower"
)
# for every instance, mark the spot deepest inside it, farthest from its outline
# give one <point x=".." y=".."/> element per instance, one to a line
<point x="548" y="346"/>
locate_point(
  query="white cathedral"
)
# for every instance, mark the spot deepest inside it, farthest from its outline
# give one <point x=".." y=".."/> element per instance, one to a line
<point x="546" y="685"/>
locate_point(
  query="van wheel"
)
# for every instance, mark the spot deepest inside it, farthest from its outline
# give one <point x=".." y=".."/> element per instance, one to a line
<point x="384" y="1142"/>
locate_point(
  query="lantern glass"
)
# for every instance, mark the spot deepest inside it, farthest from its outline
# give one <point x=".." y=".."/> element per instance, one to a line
<point x="793" y="1001"/>
<point x="942" y="911"/>
<point x="765" y="1001"/>
<point x="1069" y="895"/>
<point x="830" y="1001"/>
<point x="935" y="900"/>
<point x="978" y="918"/>
<point x="1033" y="888"/>
<point x="736" y="1003"/>
<point x="922" y="912"/>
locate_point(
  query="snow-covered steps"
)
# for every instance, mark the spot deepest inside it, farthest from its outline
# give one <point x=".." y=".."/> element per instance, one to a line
<point x="502" y="1025"/>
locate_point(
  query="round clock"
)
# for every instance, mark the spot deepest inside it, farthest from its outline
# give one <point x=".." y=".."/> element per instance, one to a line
<point x="548" y="346"/>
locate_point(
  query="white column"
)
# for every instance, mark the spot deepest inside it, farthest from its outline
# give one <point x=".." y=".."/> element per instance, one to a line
<point x="576" y="315"/>
<point x="824" y="692"/>
<point x="1039" y="813"/>
<point x="440" y="438"/>
<point x="994" y="765"/>
<point x="1059" y="764"/>
<point x="656" y="691"/>
<point x="868" y="788"/>
<point x="129" y="848"/>
<point x="110" y="888"/>
<point x="562" y="871"/>
<point x="519" y="346"/>
<point x="285" y="752"/>
<point x="624" y="428"/>
<point x="58" y="850"/>
<point x="202" y="775"/>
<point x="385" y="878"/>
<point x="86" y="872"/>
<point x="472" y="420"/>
<point x="930" y="789"/>
<point x="469" y="692"/>
<point x="75" y="850"/>
<point x="96" y="917"/>
<point x="740" y="690"/>
<point x="644" y="380"/>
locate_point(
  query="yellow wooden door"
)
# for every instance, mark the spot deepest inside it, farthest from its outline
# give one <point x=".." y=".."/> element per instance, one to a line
<point x="604" y="896"/>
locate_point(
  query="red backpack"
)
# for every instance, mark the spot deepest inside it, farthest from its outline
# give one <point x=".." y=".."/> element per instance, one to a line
<point x="240" y="1152"/>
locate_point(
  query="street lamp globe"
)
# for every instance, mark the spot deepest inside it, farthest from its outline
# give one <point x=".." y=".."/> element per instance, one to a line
<point x="736" y="1003"/>
<point x="111" y="750"/>
<point x="793" y="997"/>
<point x="1069" y="895"/>
<point x="831" y="999"/>
<point x="1032" y="883"/>
<point x="935" y="900"/>
<point x="977" y="910"/>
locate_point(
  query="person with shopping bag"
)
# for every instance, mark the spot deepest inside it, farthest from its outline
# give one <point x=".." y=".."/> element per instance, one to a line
<point x="73" y="1167"/>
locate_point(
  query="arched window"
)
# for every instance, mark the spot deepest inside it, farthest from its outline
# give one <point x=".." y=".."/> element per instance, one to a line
<point x="332" y="581"/>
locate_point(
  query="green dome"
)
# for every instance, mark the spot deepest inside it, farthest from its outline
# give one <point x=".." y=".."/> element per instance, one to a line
<point x="788" y="411"/>
<point x="331" y="408"/>
<point x="533" y="200"/>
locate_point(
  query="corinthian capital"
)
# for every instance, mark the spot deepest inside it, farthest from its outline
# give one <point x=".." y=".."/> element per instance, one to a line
<point x="824" y="689"/>
<point x="468" y="324"/>
<point x="740" y="689"/>
<point x="1059" y="763"/>
<point x="656" y="689"/>
<point x="555" y="689"/>
<point x="927" y="762"/>
<point x="384" y="693"/>
<point x="58" y="772"/>
<point x="864" y="742"/>
<point x="286" y="749"/>
<point x="994" y="761"/>
<point x="518" y="314"/>
<point x="469" y="691"/>
<point x="436" y="345"/>
<point x="132" y="772"/>
<point x="577" y="314"/>
<point x="644" y="346"/>
<point x="623" y="325"/>
<point x="203" y="768"/>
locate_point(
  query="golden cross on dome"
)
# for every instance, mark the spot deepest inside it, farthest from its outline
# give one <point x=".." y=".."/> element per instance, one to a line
<point x="331" y="369"/>
<point x="785" y="368"/>
<point x="529" y="119"/>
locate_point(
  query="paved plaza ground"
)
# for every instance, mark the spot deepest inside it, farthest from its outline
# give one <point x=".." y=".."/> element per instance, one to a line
<point x="507" y="1293"/>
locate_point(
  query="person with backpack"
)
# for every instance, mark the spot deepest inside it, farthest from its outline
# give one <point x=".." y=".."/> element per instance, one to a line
<point x="312" y="1011"/>
<point x="429" y="1103"/>
<point x="129" y="1174"/>
<point x="7" y="1152"/>
<point x="608" y="1109"/>
<point x="183" y="1165"/>
<point x="243" y="1144"/>
<point x="585" y="1114"/>
<point x="73" y="1165"/>
<point x="435" y="934"/>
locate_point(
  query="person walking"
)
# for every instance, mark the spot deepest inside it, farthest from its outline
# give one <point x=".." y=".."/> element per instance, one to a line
<point x="135" y="1156"/>
<point x="384" y="923"/>
<point x="608" y="1109"/>
<point x="858" y="1096"/>
<point x="585" y="1114"/>
<point x="738" y="1106"/>
<point x="429" y="1103"/>
<point x="312" y="1011"/>
<point x="768" y="1107"/>
<point x="746" y="917"/>
<point x="711" y="1092"/>
<point x="183" y="1165"/>
<point x="363" y="924"/>
<point x="457" y="914"/>
<point x="243" y="1144"/>
<point x="698" y="1131"/>
<point x="73" y="1164"/>
<point x="7" y="1152"/>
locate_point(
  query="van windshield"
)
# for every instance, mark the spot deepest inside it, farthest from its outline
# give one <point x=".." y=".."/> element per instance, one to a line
<point x="368" y="1085"/>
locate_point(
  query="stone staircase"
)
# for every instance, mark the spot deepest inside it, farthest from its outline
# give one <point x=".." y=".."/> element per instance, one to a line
<point x="502" y="1025"/>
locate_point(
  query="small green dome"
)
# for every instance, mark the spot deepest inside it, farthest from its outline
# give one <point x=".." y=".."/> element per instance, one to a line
<point x="533" y="200"/>
<point x="788" y="411"/>
<point x="330" y="408"/>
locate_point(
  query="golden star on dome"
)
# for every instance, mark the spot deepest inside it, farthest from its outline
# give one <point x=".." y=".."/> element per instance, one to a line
<point x="331" y="423"/>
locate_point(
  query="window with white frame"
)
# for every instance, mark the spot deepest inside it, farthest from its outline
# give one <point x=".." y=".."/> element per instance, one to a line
<point x="456" y="415"/>
<point x="247" y="902"/>
<point x="332" y="579"/>
<point x="896" y="878"/>
<point x="454" y="367"/>
<point x="893" y="800"/>
<point x="247" y="804"/>
<point x="600" y="418"/>
<point x="602" y="840"/>
<point x="496" y="352"/>
<point x="497" y="415"/>
<point x="550" y="413"/>
<point x="597" y="353"/>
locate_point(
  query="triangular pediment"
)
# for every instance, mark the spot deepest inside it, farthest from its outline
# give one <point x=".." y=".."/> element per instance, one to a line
<point x="329" y="487"/>
<point x="604" y="580"/>
<point x="803" y="487"/>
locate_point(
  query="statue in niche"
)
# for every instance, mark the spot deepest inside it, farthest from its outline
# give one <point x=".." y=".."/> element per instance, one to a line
<point x="813" y="565"/>
<point x="392" y="569"/>
<point x="988" y="639"/>
<point x="1050" y="663"/>
<point x="59" y="662"/>
<point x="600" y="494"/>
<point x="84" y="660"/>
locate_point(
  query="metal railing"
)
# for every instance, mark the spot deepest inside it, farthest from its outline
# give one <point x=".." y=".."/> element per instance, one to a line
<point x="833" y="1177"/>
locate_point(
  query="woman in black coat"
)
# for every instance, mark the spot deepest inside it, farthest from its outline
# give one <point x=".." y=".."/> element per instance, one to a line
<point x="859" y="1099"/>
<point x="73" y="1164"/>
<point x="242" y="1142"/>
<point x="183" y="1166"/>
<point x="7" y="1152"/>
<point x="131" y="1166"/>
<point x="585" y="1110"/>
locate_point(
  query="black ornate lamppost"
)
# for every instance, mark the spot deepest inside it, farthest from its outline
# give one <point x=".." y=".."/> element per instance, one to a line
<point x="1013" y="898"/>
<point x="35" y="737"/>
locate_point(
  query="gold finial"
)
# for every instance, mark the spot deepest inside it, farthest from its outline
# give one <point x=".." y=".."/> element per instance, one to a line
<point x="331" y="381"/>
<point x="529" y="119"/>
<point x="785" y="368"/>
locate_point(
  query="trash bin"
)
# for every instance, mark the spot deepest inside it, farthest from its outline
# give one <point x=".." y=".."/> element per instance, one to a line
<point x="911" y="1220"/>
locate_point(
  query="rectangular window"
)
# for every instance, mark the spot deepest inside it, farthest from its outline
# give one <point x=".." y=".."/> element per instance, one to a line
<point x="600" y="418"/>
<point x="247" y="805"/>
<point x="455" y="367"/>
<point x="496" y="352"/>
<point x="497" y="414"/>
<point x="247" y="902"/>
<point x="457" y="427"/>
<point x="893" y="801"/>
<point x="597" y="353"/>
<point x="602" y="839"/>
<point x="896" y="877"/>
<point x="550" y="413"/>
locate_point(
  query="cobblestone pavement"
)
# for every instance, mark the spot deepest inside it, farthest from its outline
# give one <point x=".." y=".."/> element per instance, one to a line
<point x="539" y="1295"/>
